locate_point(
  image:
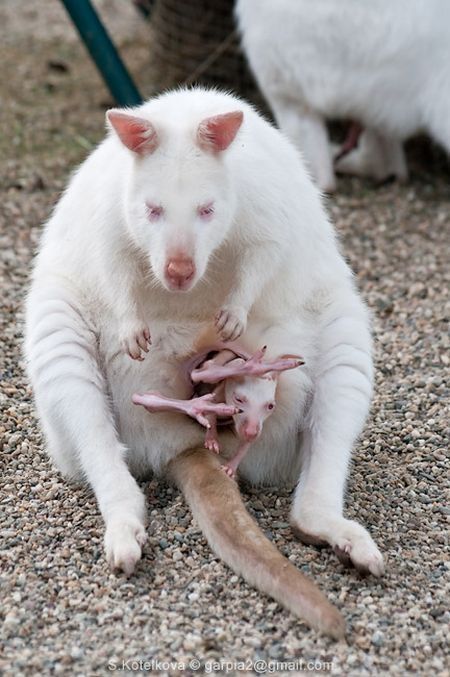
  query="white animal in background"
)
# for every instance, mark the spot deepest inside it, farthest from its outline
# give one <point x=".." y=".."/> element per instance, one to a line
<point x="383" y="64"/>
<point x="195" y="207"/>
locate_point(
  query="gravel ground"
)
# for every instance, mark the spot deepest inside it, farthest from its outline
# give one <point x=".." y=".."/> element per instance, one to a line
<point x="62" y="611"/>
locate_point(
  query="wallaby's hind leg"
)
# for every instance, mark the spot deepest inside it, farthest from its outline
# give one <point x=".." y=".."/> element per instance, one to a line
<point x="308" y="131"/>
<point x="342" y="394"/>
<point x="376" y="156"/>
<point x="217" y="506"/>
<point x="72" y="402"/>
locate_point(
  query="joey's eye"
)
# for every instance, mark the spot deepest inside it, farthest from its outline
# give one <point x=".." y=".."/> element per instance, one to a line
<point x="154" y="212"/>
<point x="205" y="212"/>
<point x="271" y="406"/>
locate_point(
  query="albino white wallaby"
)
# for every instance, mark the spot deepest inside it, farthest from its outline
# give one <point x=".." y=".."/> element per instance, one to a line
<point x="194" y="207"/>
<point x="383" y="64"/>
<point x="244" y="393"/>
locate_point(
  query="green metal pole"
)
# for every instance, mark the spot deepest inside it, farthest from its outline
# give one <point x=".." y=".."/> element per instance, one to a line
<point x="103" y="52"/>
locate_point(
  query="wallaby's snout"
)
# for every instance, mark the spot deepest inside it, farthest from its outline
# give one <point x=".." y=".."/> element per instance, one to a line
<point x="180" y="272"/>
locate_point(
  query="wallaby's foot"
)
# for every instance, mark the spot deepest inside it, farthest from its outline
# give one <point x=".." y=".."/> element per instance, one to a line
<point x="124" y="539"/>
<point x="136" y="342"/>
<point x="352" y="544"/>
<point x="230" y="322"/>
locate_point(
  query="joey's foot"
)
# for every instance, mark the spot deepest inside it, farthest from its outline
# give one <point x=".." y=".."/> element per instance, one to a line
<point x="352" y="544"/>
<point x="123" y="544"/>
<point x="231" y="322"/>
<point x="229" y="470"/>
<point x="256" y="365"/>
<point x="199" y="407"/>
<point x="136" y="342"/>
<point x="211" y="442"/>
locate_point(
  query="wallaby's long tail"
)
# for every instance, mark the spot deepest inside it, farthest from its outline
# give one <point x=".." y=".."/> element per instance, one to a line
<point x="217" y="506"/>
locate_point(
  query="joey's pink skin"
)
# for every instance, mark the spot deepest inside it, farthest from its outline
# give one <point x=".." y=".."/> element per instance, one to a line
<point x="211" y="438"/>
<point x="253" y="366"/>
<point x="197" y="407"/>
<point x="256" y="399"/>
<point x="230" y="468"/>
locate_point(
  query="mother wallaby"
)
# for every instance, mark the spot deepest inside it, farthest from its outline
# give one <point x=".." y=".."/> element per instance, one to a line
<point x="195" y="208"/>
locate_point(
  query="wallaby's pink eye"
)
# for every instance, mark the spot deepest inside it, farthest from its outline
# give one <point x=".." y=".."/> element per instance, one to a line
<point x="271" y="406"/>
<point x="205" y="211"/>
<point x="154" y="212"/>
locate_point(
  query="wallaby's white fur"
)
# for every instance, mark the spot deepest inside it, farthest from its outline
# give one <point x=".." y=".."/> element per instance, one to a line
<point x="269" y="252"/>
<point x="385" y="64"/>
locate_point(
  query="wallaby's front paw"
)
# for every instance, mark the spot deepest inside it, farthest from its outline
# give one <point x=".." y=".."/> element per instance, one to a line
<point x="123" y="544"/>
<point x="136" y="342"/>
<point x="231" y="322"/>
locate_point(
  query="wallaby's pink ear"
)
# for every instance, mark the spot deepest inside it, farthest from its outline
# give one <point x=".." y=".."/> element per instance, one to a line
<point x="216" y="133"/>
<point x="137" y="134"/>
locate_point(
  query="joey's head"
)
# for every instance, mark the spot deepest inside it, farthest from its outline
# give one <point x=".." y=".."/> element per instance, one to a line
<point x="181" y="200"/>
<point x="255" y="397"/>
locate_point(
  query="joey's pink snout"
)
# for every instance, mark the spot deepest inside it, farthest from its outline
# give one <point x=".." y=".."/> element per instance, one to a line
<point x="179" y="272"/>
<point x="250" y="430"/>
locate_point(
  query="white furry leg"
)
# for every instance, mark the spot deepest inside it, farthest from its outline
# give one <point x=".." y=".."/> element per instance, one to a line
<point x="123" y="543"/>
<point x="349" y="540"/>
<point x="73" y="404"/>
<point x="376" y="156"/>
<point x="341" y="401"/>
<point x="317" y="513"/>
<point x="308" y="131"/>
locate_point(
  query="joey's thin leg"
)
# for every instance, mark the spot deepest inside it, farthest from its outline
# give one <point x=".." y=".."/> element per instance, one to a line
<point x="254" y="366"/>
<point x="70" y="391"/>
<point x="232" y="465"/>
<point x="211" y="437"/>
<point x="341" y="401"/>
<point x="197" y="407"/>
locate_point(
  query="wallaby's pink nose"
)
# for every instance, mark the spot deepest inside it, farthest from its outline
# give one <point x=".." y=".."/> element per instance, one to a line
<point x="179" y="271"/>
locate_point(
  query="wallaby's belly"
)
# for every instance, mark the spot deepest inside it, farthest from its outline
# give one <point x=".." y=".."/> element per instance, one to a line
<point x="154" y="439"/>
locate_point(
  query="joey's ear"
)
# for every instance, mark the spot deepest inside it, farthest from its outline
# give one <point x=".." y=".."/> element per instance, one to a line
<point x="218" y="132"/>
<point x="137" y="134"/>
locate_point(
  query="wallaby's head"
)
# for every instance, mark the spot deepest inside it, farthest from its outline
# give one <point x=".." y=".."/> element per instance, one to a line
<point x="180" y="199"/>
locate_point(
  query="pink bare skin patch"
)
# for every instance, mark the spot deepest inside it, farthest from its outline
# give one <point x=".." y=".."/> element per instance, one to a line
<point x="197" y="407"/>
